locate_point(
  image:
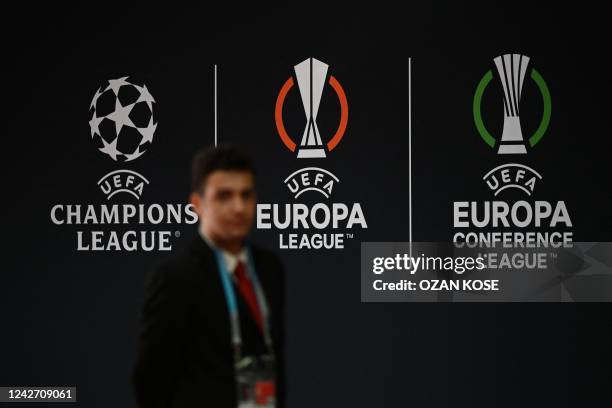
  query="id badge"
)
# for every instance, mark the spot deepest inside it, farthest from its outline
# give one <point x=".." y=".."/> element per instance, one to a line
<point x="255" y="377"/>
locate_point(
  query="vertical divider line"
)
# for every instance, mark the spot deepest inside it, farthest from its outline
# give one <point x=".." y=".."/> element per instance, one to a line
<point x="410" y="151"/>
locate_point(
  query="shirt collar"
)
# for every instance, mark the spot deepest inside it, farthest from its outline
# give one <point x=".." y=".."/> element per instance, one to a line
<point x="231" y="260"/>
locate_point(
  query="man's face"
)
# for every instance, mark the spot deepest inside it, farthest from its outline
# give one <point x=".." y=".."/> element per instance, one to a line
<point x="227" y="205"/>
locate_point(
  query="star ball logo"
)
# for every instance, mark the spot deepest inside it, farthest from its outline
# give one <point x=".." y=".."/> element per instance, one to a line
<point x="122" y="127"/>
<point x="311" y="76"/>
<point x="523" y="223"/>
<point x="122" y="106"/>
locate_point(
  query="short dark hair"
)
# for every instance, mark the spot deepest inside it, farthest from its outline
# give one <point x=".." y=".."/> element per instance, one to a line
<point x="222" y="157"/>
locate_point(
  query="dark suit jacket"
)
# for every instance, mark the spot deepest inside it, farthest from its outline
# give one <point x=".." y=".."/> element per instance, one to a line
<point x="185" y="354"/>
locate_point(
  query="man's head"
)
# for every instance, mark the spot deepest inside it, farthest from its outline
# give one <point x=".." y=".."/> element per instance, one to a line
<point x="223" y="193"/>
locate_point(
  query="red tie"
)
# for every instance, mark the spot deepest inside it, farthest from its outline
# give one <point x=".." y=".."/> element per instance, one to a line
<point x="248" y="293"/>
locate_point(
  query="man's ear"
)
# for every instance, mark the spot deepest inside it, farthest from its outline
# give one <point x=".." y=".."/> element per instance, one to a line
<point x="196" y="201"/>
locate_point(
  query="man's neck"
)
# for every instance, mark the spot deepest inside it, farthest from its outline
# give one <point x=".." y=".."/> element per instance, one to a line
<point x="233" y="247"/>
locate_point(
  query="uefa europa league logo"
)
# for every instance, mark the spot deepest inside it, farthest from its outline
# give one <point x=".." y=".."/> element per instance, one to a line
<point x="512" y="70"/>
<point x="311" y="75"/>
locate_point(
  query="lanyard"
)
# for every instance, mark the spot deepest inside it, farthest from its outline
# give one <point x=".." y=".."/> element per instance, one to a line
<point x="232" y="305"/>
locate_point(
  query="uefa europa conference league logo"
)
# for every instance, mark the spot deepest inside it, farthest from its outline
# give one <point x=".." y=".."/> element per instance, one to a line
<point x="524" y="223"/>
<point x="122" y="126"/>
<point x="313" y="84"/>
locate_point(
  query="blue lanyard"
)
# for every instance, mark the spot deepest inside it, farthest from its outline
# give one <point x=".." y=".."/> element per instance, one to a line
<point x="232" y="305"/>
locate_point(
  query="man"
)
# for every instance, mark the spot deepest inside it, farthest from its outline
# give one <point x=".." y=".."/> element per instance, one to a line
<point x="193" y="347"/>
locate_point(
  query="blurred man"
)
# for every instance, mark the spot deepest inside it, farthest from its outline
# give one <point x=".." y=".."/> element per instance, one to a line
<point x="212" y="332"/>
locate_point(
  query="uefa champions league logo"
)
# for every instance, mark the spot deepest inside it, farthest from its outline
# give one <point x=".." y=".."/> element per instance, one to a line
<point x="122" y="126"/>
<point x="122" y="123"/>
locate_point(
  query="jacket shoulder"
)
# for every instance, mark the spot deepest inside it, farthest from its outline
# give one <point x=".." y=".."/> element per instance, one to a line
<point x="181" y="267"/>
<point x="267" y="257"/>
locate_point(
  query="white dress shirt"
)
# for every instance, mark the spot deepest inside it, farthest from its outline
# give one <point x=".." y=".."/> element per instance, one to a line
<point x="231" y="260"/>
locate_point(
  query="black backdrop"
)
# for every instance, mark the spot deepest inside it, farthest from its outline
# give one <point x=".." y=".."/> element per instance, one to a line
<point x="70" y="318"/>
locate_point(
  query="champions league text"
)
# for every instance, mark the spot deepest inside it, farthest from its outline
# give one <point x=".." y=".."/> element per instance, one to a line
<point x="123" y="215"/>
